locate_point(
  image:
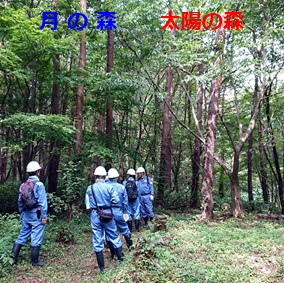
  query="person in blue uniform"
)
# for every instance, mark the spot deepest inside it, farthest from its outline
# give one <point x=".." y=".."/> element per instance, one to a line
<point x="102" y="196"/>
<point x="146" y="195"/>
<point x="120" y="209"/>
<point x="33" y="220"/>
<point x="133" y="205"/>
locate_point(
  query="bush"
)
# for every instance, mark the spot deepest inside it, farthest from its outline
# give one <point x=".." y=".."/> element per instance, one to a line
<point x="9" y="196"/>
<point x="257" y="206"/>
<point x="9" y="228"/>
<point x="72" y="188"/>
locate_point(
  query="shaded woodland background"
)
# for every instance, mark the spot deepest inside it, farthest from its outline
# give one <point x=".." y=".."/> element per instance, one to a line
<point x="200" y="110"/>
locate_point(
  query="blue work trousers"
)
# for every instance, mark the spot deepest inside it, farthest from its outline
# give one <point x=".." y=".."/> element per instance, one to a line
<point x="146" y="206"/>
<point x="31" y="226"/>
<point x="100" y="228"/>
<point x="134" y="209"/>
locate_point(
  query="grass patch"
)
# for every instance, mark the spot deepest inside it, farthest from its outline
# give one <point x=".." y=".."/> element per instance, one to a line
<point x="243" y="251"/>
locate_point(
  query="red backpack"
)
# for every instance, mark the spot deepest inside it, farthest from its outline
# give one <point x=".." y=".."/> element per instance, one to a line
<point x="27" y="196"/>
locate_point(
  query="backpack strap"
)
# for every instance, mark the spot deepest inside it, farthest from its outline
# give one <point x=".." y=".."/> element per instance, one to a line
<point x="94" y="198"/>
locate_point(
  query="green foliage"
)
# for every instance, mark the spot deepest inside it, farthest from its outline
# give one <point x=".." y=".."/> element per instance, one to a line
<point x="56" y="203"/>
<point x="41" y="127"/>
<point x="236" y="251"/>
<point x="136" y="87"/>
<point x="72" y="188"/>
<point x="9" y="193"/>
<point x="9" y="228"/>
<point x="64" y="235"/>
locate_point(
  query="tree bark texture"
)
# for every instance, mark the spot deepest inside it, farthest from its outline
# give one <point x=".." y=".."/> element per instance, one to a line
<point x="109" y="101"/>
<point x="194" y="202"/>
<point x="263" y="173"/>
<point x="80" y="89"/>
<point x="165" y="176"/>
<point x="275" y="153"/>
<point x="54" y="145"/>
<point x="208" y="162"/>
<point x="250" y="144"/>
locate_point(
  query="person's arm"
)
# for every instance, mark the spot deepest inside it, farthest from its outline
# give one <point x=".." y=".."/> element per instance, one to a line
<point x="125" y="201"/>
<point x="87" y="201"/>
<point x="151" y="186"/>
<point x="42" y="201"/>
<point x="20" y="205"/>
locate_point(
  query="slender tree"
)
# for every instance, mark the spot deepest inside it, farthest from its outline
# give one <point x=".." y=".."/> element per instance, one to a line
<point x="54" y="145"/>
<point x="209" y="150"/>
<point x="109" y="102"/>
<point x="80" y="89"/>
<point x="165" y="176"/>
<point x="194" y="202"/>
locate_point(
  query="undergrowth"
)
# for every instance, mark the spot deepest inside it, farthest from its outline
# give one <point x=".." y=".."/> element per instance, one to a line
<point x="225" y="251"/>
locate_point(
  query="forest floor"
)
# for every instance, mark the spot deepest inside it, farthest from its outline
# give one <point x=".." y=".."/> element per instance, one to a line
<point x="227" y="250"/>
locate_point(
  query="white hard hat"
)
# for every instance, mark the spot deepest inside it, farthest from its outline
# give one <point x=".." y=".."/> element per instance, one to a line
<point x="100" y="171"/>
<point x="112" y="173"/>
<point x="131" y="172"/>
<point x="140" y="170"/>
<point x="33" y="166"/>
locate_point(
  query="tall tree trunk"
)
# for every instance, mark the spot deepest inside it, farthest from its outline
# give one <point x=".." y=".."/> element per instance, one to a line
<point x="262" y="174"/>
<point x="109" y="102"/>
<point x="41" y="159"/>
<point x="275" y="153"/>
<point x="165" y="176"/>
<point x="222" y="173"/>
<point x="155" y="136"/>
<point x="194" y="202"/>
<point x="80" y="90"/>
<point x="27" y="156"/>
<point x="165" y="172"/>
<point x="3" y="165"/>
<point x="234" y="185"/>
<point x="250" y="144"/>
<point x="208" y="162"/>
<point x="54" y="145"/>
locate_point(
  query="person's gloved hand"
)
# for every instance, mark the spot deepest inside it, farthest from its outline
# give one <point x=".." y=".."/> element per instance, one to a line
<point x="126" y="217"/>
<point x="151" y="197"/>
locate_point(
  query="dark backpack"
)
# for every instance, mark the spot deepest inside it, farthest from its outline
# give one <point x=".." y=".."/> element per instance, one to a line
<point x="27" y="196"/>
<point x="131" y="189"/>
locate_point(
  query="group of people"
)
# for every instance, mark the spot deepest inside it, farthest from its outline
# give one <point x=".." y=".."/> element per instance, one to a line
<point x="107" y="197"/>
<point x="112" y="208"/>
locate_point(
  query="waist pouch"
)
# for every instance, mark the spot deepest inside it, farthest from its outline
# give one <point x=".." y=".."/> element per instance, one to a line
<point x="104" y="216"/>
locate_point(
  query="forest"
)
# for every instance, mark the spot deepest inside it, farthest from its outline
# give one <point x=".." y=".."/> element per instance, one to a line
<point x="197" y="102"/>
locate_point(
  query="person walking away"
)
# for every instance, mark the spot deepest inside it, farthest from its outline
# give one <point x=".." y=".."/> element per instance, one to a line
<point x="33" y="207"/>
<point x="120" y="210"/>
<point x="146" y="193"/>
<point x="133" y="200"/>
<point x="100" y="197"/>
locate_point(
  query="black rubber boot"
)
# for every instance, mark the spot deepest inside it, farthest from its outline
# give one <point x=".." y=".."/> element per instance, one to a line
<point x="146" y="221"/>
<point x="100" y="260"/>
<point x="128" y="241"/>
<point x="16" y="252"/>
<point x="137" y="224"/>
<point x="129" y="223"/>
<point x="112" y="249"/>
<point x="119" y="253"/>
<point x="34" y="256"/>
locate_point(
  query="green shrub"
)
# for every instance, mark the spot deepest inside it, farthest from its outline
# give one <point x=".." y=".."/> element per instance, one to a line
<point x="9" y="196"/>
<point x="72" y="188"/>
<point x="9" y="228"/>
